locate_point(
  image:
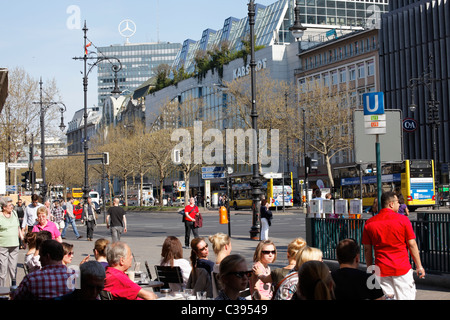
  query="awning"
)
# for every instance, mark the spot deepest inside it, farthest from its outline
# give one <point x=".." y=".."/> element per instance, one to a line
<point x="3" y="87"/>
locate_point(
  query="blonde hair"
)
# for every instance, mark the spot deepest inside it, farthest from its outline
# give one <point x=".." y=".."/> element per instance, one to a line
<point x="295" y="246"/>
<point x="42" y="209"/>
<point x="218" y="241"/>
<point x="259" y="249"/>
<point x="308" y="254"/>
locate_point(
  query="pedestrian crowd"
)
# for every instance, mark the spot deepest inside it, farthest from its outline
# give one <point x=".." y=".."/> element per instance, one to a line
<point x="229" y="276"/>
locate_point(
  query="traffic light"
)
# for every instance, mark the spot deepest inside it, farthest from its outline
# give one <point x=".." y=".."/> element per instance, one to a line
<point x="311" y="164"/>
<point x="26" y="180"/>
<point x="314" y="164"/>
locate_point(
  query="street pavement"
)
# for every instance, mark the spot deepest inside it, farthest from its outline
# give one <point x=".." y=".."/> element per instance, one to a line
<point x="146" y="246"/>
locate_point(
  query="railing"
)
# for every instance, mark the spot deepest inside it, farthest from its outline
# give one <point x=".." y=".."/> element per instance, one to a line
<point x="432" y="236"/>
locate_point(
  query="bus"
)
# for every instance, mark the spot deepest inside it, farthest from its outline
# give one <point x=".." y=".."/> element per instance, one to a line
<point x="241" y="191"/>
<point x="77" y="193"/>
<point x="412" y="178"/>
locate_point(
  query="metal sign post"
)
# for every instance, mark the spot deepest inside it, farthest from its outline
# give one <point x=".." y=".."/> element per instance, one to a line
<point x="375" y="123"/>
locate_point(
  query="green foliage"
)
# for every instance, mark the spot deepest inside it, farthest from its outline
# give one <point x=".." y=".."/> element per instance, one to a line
<point x="213" y="60"/>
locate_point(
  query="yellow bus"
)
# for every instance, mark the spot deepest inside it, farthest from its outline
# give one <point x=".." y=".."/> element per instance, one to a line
<point x="241" y="191"/>
<point x="414" y="179"/>
<point x="77" y="193"/>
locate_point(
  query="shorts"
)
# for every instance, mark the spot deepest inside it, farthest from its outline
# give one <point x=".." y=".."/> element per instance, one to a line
<point x="60" y="225"/>
<point x="401" y="287"/>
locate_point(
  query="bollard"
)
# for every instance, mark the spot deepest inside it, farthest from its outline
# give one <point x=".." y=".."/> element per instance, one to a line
<point x="223" y="215"/>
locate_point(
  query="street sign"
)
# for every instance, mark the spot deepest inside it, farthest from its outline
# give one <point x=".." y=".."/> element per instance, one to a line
<point x="374" y="116"/>
<point x="272" y="175"/>
<point x="409" y="125"/>
<point x="93" y="161"/>
<point x="213" y="175"/>
<point x="11" y="188"/>
<point x="18" y="165"/>
<point x="212" y="169"/>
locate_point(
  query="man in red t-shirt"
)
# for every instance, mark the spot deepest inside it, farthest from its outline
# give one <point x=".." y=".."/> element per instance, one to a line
<point x="391" y="235"/>
<point x="116" y="281"/>
<point x="190" y="211"/>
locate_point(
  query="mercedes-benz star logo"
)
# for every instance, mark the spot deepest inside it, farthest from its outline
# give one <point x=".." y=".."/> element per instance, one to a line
<point x="127" y="28"/>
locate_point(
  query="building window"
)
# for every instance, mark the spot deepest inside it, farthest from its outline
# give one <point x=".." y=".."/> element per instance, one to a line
<point x="342" y="75"/>
<point x="370" y="68"/>
<point x="334" y="77"/>
<point x="351" y="73"/>
<point x="361" y="71"/>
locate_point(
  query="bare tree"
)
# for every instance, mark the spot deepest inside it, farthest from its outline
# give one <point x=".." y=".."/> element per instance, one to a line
<point x="328" y="121"/>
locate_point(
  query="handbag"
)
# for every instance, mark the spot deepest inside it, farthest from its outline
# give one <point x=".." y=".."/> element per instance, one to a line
<point x="198" y="221"/>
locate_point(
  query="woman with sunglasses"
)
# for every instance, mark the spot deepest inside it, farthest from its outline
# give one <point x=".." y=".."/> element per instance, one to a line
<point x="234" y="276"/>
<point x="265" y="254"/>
<point x="68" y="253"/>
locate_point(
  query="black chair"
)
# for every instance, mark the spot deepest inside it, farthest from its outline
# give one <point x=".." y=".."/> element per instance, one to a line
<point x="167" y="274"/>
<point x="105" y="295"/>
<point x="148" y="271"/>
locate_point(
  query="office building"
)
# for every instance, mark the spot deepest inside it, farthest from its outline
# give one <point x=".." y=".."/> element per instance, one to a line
<point x="412" y="33"/>
<point x="139" y="63"/>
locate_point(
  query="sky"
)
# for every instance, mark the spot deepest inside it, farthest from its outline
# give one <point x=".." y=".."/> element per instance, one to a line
<point x="44" y="36"/>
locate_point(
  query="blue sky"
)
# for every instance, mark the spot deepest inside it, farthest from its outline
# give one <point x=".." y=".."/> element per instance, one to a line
<point x="35" y="34"/>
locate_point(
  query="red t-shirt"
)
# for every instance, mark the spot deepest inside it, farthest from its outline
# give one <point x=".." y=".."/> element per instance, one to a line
<point x="120" y="286"/>
<point x="388" y="232"/>
<point x="188" y="209"/>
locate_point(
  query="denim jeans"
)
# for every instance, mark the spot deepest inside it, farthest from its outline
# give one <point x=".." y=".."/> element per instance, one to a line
<point x="68" y="220"/>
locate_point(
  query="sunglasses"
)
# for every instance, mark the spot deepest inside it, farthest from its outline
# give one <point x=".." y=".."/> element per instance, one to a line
<point x="241" y="274"/>
<point x="269" y="252"/>
<point x="201" y="249"/>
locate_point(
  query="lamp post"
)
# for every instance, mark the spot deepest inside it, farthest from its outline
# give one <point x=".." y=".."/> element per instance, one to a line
<point x="116" y="67"/>
<point x="42" y="110"/>
<point x="297" y="29"/>
<point x="256" y="180"/>
<point x="432" y="114"/>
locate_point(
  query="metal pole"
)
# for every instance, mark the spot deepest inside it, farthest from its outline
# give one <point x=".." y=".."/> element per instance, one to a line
<point x="256" y="182"/>
<point x="42" y="115"/>
<point x="304" y="158"/>
<point x="378" y="159"/>
<point x="85" y="142"/>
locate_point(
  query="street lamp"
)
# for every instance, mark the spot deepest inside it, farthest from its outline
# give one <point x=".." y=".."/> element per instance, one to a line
<point x="432" y="113"/>
<point x="297" y="29"/>
<point x="256" y="180"/>
<point x="116" y="67"/>
<point x="42" y="110"/>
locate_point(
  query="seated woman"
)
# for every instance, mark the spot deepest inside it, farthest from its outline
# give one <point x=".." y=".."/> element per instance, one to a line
<point x="200" y="277"/>
<point x="172" y="255"/>
<point x="234" y="277"/>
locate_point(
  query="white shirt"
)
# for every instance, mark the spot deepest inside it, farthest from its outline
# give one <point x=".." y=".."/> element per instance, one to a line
<point x="30" y="215"/>
<point x="186" y="269"/>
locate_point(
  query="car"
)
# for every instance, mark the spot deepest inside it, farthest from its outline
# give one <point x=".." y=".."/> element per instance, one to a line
<point x="78" y="209"/>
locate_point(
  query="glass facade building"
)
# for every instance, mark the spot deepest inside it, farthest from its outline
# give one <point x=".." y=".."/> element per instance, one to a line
<point x="356" y="13"/>
<point x="139" y="63"/>
<point x="272" y="24"/>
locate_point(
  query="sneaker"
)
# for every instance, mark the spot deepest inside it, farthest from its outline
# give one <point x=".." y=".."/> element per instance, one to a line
<point x="79" y="237"/>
